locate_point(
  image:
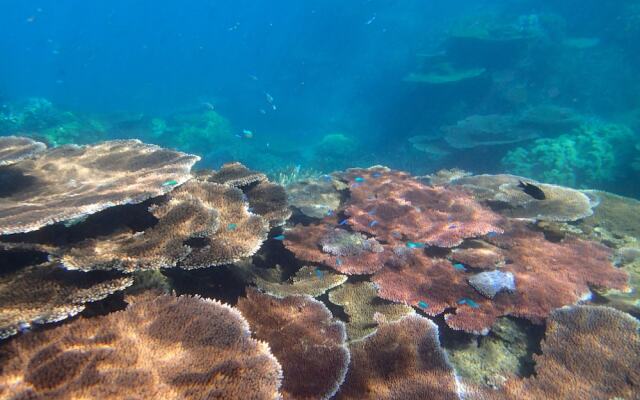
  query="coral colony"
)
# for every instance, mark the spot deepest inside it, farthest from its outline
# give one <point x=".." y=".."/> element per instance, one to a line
<point x="360" y="303"/>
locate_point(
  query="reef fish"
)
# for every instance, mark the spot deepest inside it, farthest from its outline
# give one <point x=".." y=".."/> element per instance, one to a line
<point x="171" y="182"/>
<point x="459" y="267"/>
<point x="423" y="304"/>
<point x="468" y="302"/>
<point x="532" y="190"/>
<point x="278" y="237"/>
<point x="415" y="245"/>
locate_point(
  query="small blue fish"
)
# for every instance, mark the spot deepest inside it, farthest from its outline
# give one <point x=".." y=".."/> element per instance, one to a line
<point x="468" y="302"/>
<point x="329" y="213"/>
<point x="232" y="227"/>
<point x="359" y="179"/>
<point x="415" y="245"/>
<point x="423" y="304"/>
<point x="376" y="175"/>
<point x="338" y="262"/>
<point x="492" y="234"/>
<point x="343" y="222"/>
<point x="319" y="273"/>
<point x="168" y="183"/>
<point x="459" y="267"/>
<point x="373" y="223"/>
<point x="326" y="178"/>
<point x="279" y="237"/>
<point x="453" y="226"/>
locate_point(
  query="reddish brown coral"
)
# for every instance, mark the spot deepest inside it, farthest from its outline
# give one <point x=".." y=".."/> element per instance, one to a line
<point x="402" y="360"/>
<point x="164" y="348"/>
<point x="303" y="337"/>
<point x="393" y="207"/>
<point x="589" y="352"/>
<point x="547" y="275"/>
<point x="16" y="148"/>
<point x="70" y="181"/>
<point x="478" y="254"/>
<point x="346" y="252"/>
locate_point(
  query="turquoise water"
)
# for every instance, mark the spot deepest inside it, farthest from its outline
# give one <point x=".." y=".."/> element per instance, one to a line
<point x="427" y="284"/>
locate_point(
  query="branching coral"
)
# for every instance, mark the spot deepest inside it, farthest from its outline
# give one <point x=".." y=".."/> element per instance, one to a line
<point x="70" y="181"/>
<point x="590" y="156"/>
<point x="162" y="348"/>
<point x="16" y="148"/>
<point x="505" y="195"/>
<point x="310" y="346"/>
<point x="201" y="224"/>
<point x="393" y="207"/>
<point x="47" y="293"/>
<point x="365" y="309"/>
<point x="402" y="360"/>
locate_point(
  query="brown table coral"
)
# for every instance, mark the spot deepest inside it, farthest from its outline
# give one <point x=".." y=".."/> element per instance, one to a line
<point x="402" y="360"/>
<point x="589" y="352"/>
<point x="309" y="345"/>
<point x="47" y="293"/>
<point x="201" y="224"/>
<point x="71" y="181"/>
<point x="163" y="348"/>
<point x="17" y="148"/>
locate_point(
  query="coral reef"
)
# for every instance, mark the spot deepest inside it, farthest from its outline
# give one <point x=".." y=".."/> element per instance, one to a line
<point x="16" y="148"/>
<point x="233" y="174"/>
<point x="303" y="337"/>
<point x="592" y="155"/>
<point x="69" y="182"/>
<point x="488" y="361"/>
<point x="615" y="215"/>
<point x="444" y="176"/>
<point x="394" y="207"/>
<point x="269" y="200"/>
<point x="316" y="198"/>
<point x="487" y="130"/>
<point x="201" y="224"/>
<point x="365" y="309"/>
<point x="402" y="360"/>
<point x="308" y="280"/>
<point x="588" y="352"/>
<point x="503" y="193"/>
<point x="47" y="293"/>
<point x="548" y="275"/>
<point x="347" y="252"/>
<point x="162" y="348"/>
<point x="478" y="254"/>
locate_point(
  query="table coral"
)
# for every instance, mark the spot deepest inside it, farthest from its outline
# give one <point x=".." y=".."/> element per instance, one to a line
<point x="589" y="352"/>
<point x="363" y="306"/>
<point x="158" y="348"/>
<point x="315" y="198"/>
<point x="402" y="360"/>
<point x="16" y="148"/>
<point x="48" y="293"/>
<point x="308" y="344"/>
<point x="393" y="207"/>
<point x="73" y="181"/>
<point x="347" y="252"/>
<point x="503" y="193"/>
<point x="308" y="280"/>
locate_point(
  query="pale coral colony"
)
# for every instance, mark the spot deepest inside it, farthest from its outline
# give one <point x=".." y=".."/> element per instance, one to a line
<point x="109" y="295"/>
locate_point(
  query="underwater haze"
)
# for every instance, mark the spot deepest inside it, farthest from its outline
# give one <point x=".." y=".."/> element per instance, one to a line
<point x="320" y="199"/>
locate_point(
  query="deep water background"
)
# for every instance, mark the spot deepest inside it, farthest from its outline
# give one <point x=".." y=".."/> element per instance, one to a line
<point x="320" y="83"/>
